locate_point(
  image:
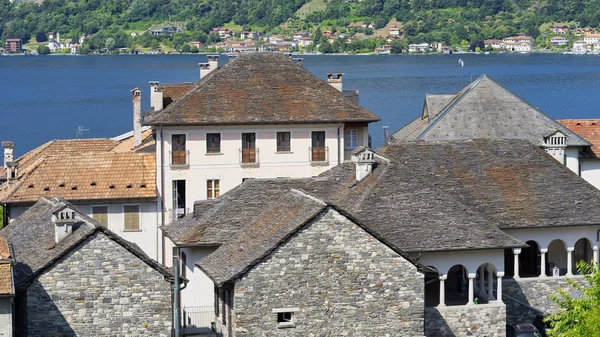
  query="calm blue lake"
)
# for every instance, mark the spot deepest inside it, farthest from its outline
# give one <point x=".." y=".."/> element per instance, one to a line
<point x="49" y="97"/>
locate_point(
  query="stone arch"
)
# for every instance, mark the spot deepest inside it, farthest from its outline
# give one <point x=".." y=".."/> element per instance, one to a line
<point x="530" y="260"/>
<point x="557" y="256"/>
<point x="457" y="285"/>
<point x="432" y="287"/>
<point x="583" y="252"/>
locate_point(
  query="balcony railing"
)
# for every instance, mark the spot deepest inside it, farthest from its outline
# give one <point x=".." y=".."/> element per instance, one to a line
<point x="197" y="320"/>
<point x="249" y="157"/>
<point x="319" y="155"/>
<point x="180" y="158"/>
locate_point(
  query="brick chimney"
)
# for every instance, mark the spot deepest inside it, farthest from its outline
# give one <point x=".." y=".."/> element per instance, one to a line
<point x="204" y="69"/>
<point x="213" y="61"/>
<point x="335" y="80"/>
<point x="156" y="96"/>
<point x="137" y="116"/>
<point x="64" y="221"/>
<point x="8" y="152"/>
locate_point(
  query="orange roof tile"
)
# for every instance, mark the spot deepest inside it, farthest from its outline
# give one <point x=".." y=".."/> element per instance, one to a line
<point x="589" y="129"/>
<point x="80" y="169"/>
<point x="5" y="279"/>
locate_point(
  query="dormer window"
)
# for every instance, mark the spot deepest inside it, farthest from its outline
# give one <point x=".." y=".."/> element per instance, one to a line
<point x="556" y="139"/>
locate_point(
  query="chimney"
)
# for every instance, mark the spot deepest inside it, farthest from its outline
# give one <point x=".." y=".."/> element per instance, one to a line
<point x="8" y="152"/>
<point x="298" y="61"/>
<point x="156" y="96"/>
<point x="386" y="135"/>
<point x="137" y="116"/>
<point x="213" y="61"/>
<point x="364" y="159"/>
<point x="335" y="80"/>
<point x="64" y="222"/>
<point x="12" y="171"/>
<point x="204" y="69"/>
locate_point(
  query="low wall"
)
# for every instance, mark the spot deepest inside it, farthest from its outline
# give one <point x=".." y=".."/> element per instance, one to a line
<point x="466" y="320"/>
<point x="522" y="294"/>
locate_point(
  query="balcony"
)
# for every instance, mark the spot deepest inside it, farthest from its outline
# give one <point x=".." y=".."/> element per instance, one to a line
<point x="197" y="320"/>
<point x="319" y="155"/>
<point x="180" y="159"/>
<point x="249" y="157"/>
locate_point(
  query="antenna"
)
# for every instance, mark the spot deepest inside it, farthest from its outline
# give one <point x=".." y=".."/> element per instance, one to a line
<point x="80" y="130"/>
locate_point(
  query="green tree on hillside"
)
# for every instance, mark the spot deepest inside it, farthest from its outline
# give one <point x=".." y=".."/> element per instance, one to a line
<point x="580" y="316"/>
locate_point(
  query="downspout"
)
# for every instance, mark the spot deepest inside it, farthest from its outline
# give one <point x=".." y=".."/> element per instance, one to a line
<point x="176" y="295"/>
<point x="162" y="192"/>
<point x="339" y="145"/>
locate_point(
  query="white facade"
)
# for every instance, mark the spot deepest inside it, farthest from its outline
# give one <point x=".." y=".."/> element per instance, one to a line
<point x="590" y="171"/>
<point x="592" y="38"/>
<point x="203" y="169"/>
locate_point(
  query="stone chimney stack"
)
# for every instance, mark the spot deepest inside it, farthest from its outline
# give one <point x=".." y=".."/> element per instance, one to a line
<point x="63" y="223"/>
<point x="364" y="159"/>
<point x="213" y="61"/>
<point x="204" y="69"/>
<point x="156" y="96"/>
<point x="335" y="80"/>
<point x="8" y="152"/>
<point x="137" y="116"/>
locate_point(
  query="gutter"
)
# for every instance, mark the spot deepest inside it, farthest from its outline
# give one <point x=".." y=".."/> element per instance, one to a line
<point x="162" y="196"/>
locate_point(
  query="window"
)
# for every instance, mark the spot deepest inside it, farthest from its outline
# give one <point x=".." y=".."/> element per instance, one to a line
<point x="351" y="139"/>
<point x="212" y="188"/>
<point x="178" y="152"/>
<point x="179" y="198"/>
<point x="132" y="217"/>
<point x="248" y="148"/>
<point x="100" y="214"/>
<point x="213" y="143"/>
<point x="183" y="265"/>
<point x="284" y="142"/>
<point x="318" y="146"/>
<point x="285" y="317"/>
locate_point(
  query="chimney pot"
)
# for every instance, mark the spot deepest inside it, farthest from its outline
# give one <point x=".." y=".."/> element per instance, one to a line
<point x="137" y="116"/>
<point x="205" y="69"/>
<point x="64" y="222"/>
<point x="156" y="96"/>
<point x="335" y="80"/>
<point x="213" y="61"/>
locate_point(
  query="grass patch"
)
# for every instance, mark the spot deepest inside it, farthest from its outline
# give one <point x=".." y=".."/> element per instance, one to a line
<point x="310" y="7"/>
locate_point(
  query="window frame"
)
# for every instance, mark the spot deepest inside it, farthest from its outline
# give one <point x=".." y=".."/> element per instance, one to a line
<point x="139" y="212"/>
<point x="213" y="189"/>
<point x="278" y="148"/>
<point x="209" y="150"/>
<point x="346" y="139"/>
<point x="107" y="213"/>
<point x="184" y="151"/>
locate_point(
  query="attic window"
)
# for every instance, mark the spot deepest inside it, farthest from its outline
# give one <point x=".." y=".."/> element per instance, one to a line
<point x="93" y="183"/>
<point x="593" y="123"/>
<point x="30" y="186"/>
<point x="61" y="185"/>
<point x="129" y="186"/>
<point x="47" y="188"/>
<point x="285" y="317"/>
<point x="112" y="187"/>
<point x="143" y="186"/>
<point x="74" y="188"/>
<point x="578" y="124"/>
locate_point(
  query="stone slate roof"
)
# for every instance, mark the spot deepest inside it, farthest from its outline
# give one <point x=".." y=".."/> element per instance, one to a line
<point x="83" y="169"/>
<point x="430" y="196"/>
<point x="32" y="238"/>
<point x="589" y="129"/>
<point x="485" y="109"/>
<point x="260" y="88"/>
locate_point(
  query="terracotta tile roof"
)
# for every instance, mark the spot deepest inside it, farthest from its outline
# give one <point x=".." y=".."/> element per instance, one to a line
<point x="4" y="249"/>
<point x="260" y="88"/>
<point x="80" y="169"/>
<point x="589" y="129"/>
<point x="5" y="279"/>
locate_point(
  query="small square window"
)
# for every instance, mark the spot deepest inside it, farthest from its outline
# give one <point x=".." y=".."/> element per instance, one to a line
<point x="213" y="188"/>
<point x="284" y="142"/>
<point x="132" y="217"/>
<point x="284" y="317"/>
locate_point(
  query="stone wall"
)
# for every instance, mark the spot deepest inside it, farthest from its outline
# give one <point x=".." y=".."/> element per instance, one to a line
<point x="6" y="314"/>
<point x="337" y="280"/>
<point x="522" y="294"/>
<point x="487" y="320"/>
<point x="99" y="289"/>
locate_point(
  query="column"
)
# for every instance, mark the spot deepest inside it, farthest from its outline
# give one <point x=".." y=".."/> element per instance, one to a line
<point x="443" y="290"/>
<point x="471" y="280"/>
<point x="570" y="261"/>
<point x="595" y="248"/>
<point x="499" y="290"/>
<point x="516" y="251"/>
<point x="490" y="271"/>
<point x="543" y="252"/>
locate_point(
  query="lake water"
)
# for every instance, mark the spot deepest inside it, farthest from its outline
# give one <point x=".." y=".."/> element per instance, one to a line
<point x="49" y="97"/>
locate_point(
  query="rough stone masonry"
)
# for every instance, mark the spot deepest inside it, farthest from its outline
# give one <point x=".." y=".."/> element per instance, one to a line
<point x="99" y="289"/>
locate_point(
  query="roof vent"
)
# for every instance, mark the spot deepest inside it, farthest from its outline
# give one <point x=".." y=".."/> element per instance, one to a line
<point x="364" y="158"/>
<point x="64" y="222"/>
